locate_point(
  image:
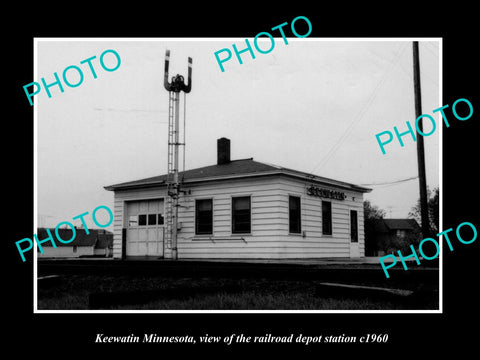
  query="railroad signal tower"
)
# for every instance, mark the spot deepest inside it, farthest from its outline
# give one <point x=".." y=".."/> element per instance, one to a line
<point x="174" y="87"/>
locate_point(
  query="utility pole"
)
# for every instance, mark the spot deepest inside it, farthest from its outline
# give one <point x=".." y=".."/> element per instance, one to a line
<point x="420" y="146"/>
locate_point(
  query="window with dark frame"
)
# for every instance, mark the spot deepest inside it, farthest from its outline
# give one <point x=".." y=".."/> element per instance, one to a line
<point x="203" y="217"/>
<point x="295" y="225"/>
<point x="160" y="219"/>
<point x="353" y="226"/>
<point x="148" y="217"/>
<point x="241" y="217"/>
<point x="142" y="220"/>
<point x="326" y="218"/>
<point x="152" y="219"/>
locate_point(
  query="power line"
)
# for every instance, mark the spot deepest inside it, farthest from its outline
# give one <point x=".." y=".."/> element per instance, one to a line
<point x="363" y="111"/>
<point x="391" y="182"/>
<point x="428" y="47"/>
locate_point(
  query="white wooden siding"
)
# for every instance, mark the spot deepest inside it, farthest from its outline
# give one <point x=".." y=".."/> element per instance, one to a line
<point x="269" y="236"/>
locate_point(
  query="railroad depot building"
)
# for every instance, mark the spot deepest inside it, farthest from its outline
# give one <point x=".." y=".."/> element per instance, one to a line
<point x="241" y="209"/>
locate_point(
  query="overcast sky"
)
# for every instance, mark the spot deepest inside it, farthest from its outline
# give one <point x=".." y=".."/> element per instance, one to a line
<point x="313" y="105"/>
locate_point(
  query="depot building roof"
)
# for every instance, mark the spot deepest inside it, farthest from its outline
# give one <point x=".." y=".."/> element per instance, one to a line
<point x="235" y="169"/>
<point x="226" y="169"/>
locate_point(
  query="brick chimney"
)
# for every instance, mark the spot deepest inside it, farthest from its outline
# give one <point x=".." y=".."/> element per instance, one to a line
<point x="223" y="151"/>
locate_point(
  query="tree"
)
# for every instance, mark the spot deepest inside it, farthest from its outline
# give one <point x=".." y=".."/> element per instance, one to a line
<point x="372" y="214"/>
<point x="433" y="211"/>
<point x="372" y="211"/>
<point x="403" y="243"/>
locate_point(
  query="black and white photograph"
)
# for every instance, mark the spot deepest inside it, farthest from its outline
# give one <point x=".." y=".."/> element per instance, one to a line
<point x="271" y="165"/>
<point x="271" y="187"/>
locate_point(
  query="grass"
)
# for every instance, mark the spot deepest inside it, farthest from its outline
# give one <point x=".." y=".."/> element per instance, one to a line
<point x="259" y="301"/>
<point x="254" y="294"/>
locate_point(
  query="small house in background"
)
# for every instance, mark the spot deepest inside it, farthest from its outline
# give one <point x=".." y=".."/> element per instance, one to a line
<point x="104" y="244"/>
<point x="390" y="235"/>
<point x="98" y="243"/>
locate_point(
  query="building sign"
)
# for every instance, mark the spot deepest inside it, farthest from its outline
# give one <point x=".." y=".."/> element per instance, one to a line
<point x="325" y="193"/>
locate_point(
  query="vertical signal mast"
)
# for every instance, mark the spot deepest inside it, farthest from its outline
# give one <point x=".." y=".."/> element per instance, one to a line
<point x="173" y="185"/>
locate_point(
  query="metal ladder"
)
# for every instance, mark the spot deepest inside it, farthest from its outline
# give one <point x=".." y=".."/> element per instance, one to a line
<point x="170" y="213"/>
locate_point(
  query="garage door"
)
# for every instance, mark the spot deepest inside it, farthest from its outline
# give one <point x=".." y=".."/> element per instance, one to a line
<point x="145" y="228"/>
